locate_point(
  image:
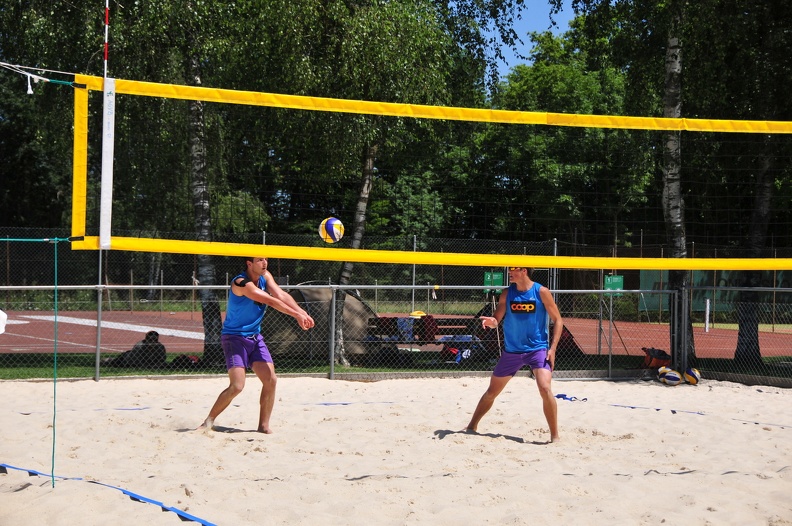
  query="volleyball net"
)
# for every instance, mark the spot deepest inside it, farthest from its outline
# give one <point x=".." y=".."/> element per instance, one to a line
<point x="135" y="210"/>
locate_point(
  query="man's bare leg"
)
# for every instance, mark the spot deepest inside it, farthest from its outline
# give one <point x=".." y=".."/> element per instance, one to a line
<point x="236" y="382"/>
<point x="549" y="404"/>
<point x="497" y="383"/>
<point x="266" y="373"/>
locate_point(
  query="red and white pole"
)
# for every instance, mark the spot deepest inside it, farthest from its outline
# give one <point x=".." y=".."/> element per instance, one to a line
<point x="108" y="140"/>
<point x="107" y="32"/>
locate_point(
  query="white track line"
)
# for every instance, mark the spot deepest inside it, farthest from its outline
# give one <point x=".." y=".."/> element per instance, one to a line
<point x="192" y="335"/>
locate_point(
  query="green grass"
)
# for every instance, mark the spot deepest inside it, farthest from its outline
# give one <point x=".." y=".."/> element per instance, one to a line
<point x="40" y="366"/>
<point x="28" y="366"/>
<point x="24" y="366"/>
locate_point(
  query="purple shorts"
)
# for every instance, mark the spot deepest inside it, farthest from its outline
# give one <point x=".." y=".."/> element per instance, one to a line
<point x="242" y="351"/>
<point x="511" y="362"/>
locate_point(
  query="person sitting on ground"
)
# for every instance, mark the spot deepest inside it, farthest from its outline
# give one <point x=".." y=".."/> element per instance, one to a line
<point x="149" y="352"/>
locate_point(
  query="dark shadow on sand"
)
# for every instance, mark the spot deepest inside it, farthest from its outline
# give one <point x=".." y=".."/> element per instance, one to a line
<point x="442" y="433"/>
<point x="220" y="429"/>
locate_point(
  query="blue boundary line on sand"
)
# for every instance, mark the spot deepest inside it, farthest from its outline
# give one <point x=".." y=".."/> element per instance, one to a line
<point x="673" y="411"/>
<point x="183" y="515"/>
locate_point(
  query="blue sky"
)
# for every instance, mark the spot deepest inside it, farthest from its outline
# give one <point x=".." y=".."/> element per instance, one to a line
<point x="535" y="17"/>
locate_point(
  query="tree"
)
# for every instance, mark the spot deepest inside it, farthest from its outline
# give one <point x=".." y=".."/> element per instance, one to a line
<point x="553" y="179"/>
<point x="633" y="36"/>
<point x="387" y="52"/>
<point x="194" y="36"/>
<point x="35" y="136"/>
<point x="673" y="202"/>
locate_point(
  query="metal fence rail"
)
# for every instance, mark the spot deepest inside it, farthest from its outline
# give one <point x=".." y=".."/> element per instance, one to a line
<point x="367" y="331"/>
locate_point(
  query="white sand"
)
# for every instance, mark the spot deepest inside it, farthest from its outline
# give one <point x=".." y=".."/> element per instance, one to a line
<point x="389" y="452"/>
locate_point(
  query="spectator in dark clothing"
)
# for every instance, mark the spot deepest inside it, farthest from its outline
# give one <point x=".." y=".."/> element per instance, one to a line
<point x="148" y="352"/>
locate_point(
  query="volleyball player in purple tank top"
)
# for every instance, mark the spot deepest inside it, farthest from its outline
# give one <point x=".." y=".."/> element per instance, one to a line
<point x="251" y="293"/>
<point x="524" y="308"/>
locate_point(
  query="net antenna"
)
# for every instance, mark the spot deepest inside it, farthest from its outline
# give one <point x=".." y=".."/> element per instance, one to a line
<point x="108" y="145"/>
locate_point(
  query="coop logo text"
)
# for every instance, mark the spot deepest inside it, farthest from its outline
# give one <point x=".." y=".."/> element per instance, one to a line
<point x="523" y="308"/>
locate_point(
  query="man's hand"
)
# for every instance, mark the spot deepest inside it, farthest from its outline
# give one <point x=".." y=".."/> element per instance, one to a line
<point x="305" y="321"/>
<point x="551" y="357"/>
<point x="489" y="322"/>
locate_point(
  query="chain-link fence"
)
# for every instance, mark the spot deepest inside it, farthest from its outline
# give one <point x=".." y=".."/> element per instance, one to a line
<point x="375" y="332"/>
<point x="90" y="313"/>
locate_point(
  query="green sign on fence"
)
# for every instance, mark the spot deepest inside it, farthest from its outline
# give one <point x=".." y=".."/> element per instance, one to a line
<point x="614" y="283"/>
<point x="493" y="279"/>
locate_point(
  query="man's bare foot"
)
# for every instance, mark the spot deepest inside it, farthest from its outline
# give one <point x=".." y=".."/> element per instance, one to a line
<point x="208" y="424"/>
<point x="265" y="430"/>
<point x="554" y="440"/>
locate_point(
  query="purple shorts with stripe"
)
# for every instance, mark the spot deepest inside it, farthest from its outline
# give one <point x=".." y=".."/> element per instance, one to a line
<point x="242" y="351"/>
<point x="511" y="362"/>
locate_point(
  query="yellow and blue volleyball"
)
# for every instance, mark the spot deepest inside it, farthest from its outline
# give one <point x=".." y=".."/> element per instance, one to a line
<point x="661" y="371"/>
<point x="671" y="378"/>
<point x="692" y="376"/>
<point x="331" y="230"/>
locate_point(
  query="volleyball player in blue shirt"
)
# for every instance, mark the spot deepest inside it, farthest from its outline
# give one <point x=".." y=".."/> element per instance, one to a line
<point x="251" y="293"/>
<point x="525" y="308"/>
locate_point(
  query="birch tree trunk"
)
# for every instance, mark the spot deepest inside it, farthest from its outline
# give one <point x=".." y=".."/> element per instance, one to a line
<point x="673" y="201"/>
<point x="210" y="307"/>
<point x="748" y="351"/>
<point x="358" y="228"/>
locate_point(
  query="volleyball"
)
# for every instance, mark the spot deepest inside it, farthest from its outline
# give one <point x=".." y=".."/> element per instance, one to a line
<point x="661" y="371"/>
<point x="331" y="230"/>
<point x="671" y="378"/>
<point x="692" y="376"/>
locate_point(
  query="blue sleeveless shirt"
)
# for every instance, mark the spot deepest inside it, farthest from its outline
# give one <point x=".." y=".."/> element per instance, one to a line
<point x="243" y="315"/>
<point x="525" y="321"/>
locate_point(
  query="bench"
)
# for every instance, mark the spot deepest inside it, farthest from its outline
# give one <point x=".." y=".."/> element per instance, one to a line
<point x="453" y="338"/>
<point x="419" y="331"/>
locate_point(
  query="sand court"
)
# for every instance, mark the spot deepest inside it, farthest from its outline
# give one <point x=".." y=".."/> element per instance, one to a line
<point x="391" y="452"/>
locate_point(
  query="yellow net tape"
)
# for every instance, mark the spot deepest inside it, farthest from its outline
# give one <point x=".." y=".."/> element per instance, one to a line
<point x="430" y="258"/>
<point x="150" y="89"/>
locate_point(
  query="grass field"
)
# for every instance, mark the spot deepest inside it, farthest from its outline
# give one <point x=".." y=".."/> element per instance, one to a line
<point x="78" y="365"/>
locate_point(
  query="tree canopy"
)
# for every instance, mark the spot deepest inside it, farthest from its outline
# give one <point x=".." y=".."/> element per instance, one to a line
<point x="284" y="170"/>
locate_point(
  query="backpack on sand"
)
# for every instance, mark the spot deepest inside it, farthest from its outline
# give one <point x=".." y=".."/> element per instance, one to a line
<point x="655" y="358"/>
